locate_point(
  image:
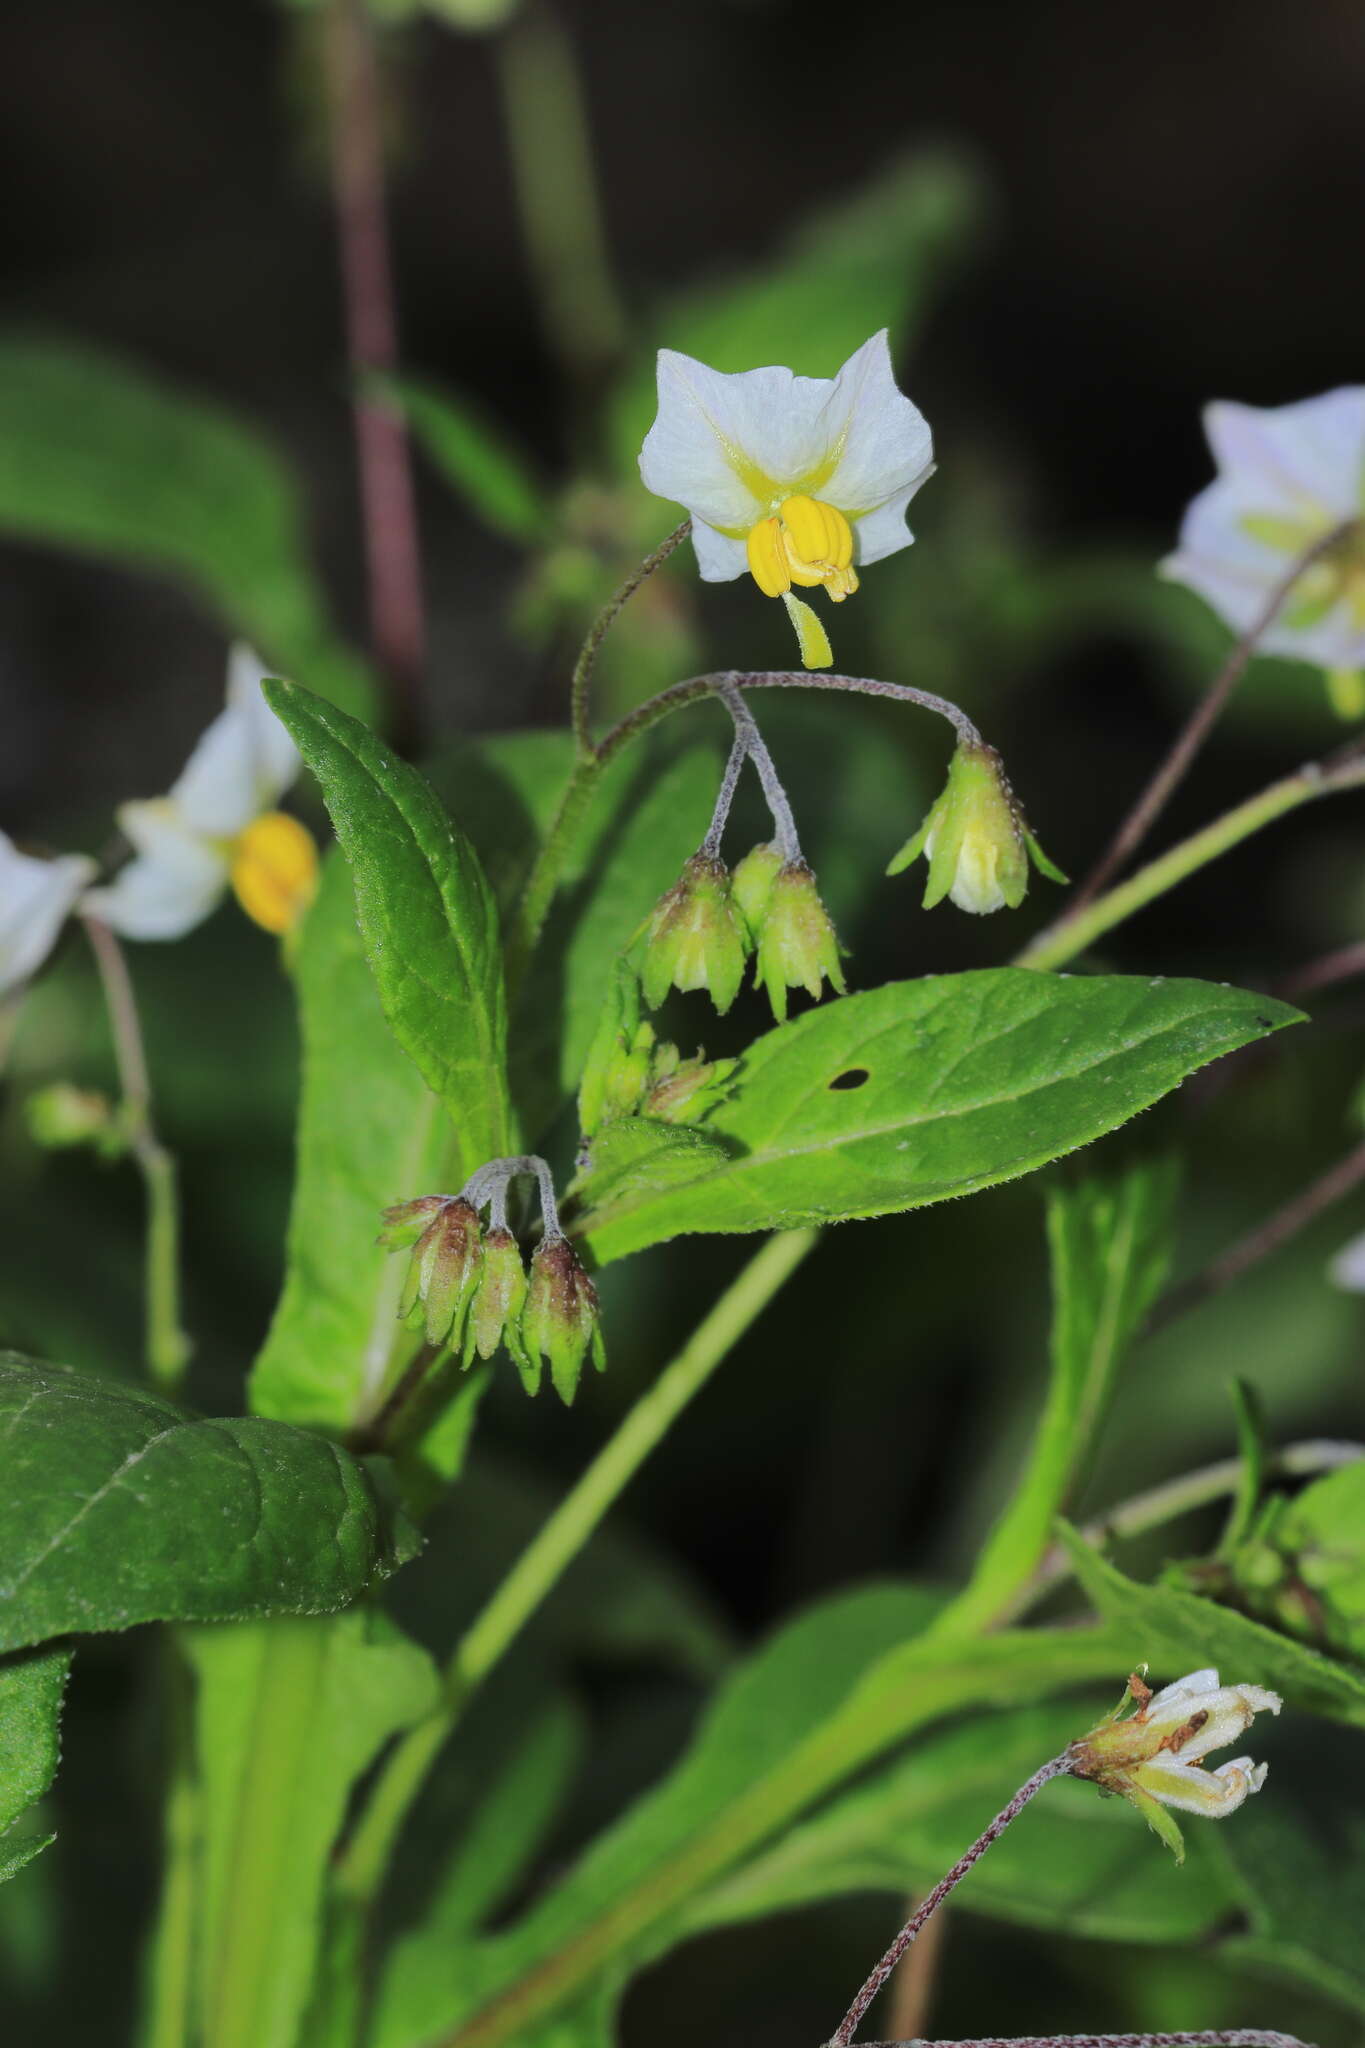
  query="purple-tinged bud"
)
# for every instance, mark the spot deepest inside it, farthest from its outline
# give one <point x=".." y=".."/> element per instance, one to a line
<point x="495" y="1313"/>
<point x="451" y="1272"/>
<point x="560" y="1319"/>
<point x="696" y="938"/>
<point x="405" y="1222"/>
<point x="797" y="945"/>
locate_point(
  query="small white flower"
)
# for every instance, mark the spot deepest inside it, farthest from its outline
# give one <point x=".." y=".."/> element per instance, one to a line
<point x="36" y="898"/>
<point x="796" y="479"/>
<point x="1347" y="1267"/>
<point x="217" y="828"/>
<point x="1153" y="1755"/>
<point x="1287" y="477"/>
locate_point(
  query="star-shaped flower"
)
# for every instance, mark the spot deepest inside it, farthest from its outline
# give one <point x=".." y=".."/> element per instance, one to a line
<point x="1289" y="476"/>
<point x="800" y="480"/>
<point x="36" y="898"/>
<point x="217" y="828"/>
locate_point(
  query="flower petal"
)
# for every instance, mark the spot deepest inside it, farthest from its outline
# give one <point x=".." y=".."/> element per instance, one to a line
<point x="243" y="763"/>
<point x="1215" y="1794"/>
<point x="884" y="532"/>
<point x="1305" y="456"/>
<point x="719" y="558"/>
<point x="1347" y="1268"/>
<point x="36" y="898"/>
<point x="1183" y="1688"/>
<point x="172" y="883"/>
<point x="885" y="448"/>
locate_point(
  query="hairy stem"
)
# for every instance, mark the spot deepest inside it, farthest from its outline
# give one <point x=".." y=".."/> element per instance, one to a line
<point x="387" y="501"/>
<point x="1235" y="2037"/>
<point x="848" y="2026"/>
<point x="167" y="1347"/>
<point x="602" y="625"/>
<point x="544" y="1562"/>
<point x="746" y="729"/>
<point x="1065" y="940"/>
<point x="1200" y="724"/>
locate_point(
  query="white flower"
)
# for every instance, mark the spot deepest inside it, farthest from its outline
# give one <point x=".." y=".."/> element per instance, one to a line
<point x="1347" y="1267"/>
<point x="796" y="479"/>
<point x="1287" y="477"/>
<point x="217" y="828"/>
<point x="36" y="898"/>
<point x="1153" y="1755"/>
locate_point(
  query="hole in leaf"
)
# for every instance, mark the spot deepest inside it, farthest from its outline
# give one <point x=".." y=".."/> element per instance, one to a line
<point x="854" y="1078"/>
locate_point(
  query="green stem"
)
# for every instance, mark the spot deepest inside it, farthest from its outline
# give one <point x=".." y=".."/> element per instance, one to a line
<point x="167" y="1345"/>
<point x="544" y="1562"/>
<point x="1072" y="935"/>
<point x="171" y="1971"/>
<point x="550" y="144"/>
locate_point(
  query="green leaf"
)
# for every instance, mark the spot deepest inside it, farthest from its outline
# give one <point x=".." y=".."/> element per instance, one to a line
<point x="94" y="456"/>
<point x="1110" y="1239"/>
<point x="1323" y="1532"/>
<point x="878" y="259"/>
<point x="925" y="1089"/>
<point x="32" y="1684"/>
<point x="1175" y="1632"/>
<point x="478" y="463"/>
<point x="1074" y="1862"/>
<point x="637" y="1156"/>
<point x="118" y="1509"/>
<point x="288" y="1716"/>
<point x="369" y="1134"/>
<point x="834" y="1689"/>
<point x="426" y="913"/>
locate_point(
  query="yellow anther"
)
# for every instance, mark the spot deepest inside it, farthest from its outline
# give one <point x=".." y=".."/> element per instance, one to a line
<point x="817" y="533"/>
<point x="275" y="870"/>
<point x="767" y="558"/>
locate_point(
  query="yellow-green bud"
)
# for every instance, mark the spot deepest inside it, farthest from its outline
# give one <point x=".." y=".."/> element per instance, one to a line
<point x="975" y="838"/>
<point x="560" y="1319"/>
<point x="797" y="945"/>
<point x="688" y="1088"/>
<point x="62" y="1115"/>
<point x="446" y="1262"/>
<point x="495" y="1313"/>
<point x="752" y="886"/>
<point x="695" y="939"/>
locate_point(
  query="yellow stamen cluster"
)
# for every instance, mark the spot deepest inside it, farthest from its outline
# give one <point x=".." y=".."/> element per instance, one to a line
<point x="806" y="542"/>
<point x="274" y="870"/>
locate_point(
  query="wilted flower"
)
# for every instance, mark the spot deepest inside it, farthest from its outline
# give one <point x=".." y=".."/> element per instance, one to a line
<point x="36" y="898"/>
<point x="1288" y="477"/>
<point x="797" y="479"/>
<point x="217" y="829"/>
<point x="560" y="1319"/>
<point x="975" y="839"/>
<point x="1153" y="1755"/>
<point x="695" y="938"/>
<point x="796" y="942"/>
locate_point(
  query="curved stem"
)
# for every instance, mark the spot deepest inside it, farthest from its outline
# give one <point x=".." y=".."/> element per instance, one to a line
<point x="602" y="625"/>
<point x="540" y="1567"/>
<point x="167" y="1345"/>
<point x="1234" y="2037"/>
<point x="1200" y="724"/>
<point x="784" y="823"/>
<point x="1062" y="941"/>
<point x="1057" y="1767"/>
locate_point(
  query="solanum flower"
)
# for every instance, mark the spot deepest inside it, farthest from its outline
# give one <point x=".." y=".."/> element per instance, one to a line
<point x="799" y="480"/>
<point x="1288" y="477"/>
<point x="36" y="898"/>
<point x="217" y="829"/>
<point x="1153" y="1755"/>
<point x="975" y="838"/>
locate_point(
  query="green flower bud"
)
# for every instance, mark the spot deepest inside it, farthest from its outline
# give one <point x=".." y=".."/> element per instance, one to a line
<point x="684" y="1093"/>
<point x="560" y="1319"/>
<point x="405" y="1222"/>
<point x="975" y="838"/>
<point x="797" y="945"/>
<point x="63" y="1115"/>
<point x="495" y="1314"/>
<point x="445" y="1266"/>
<point x="752" y="886"/>
<point x="696" y="938"/>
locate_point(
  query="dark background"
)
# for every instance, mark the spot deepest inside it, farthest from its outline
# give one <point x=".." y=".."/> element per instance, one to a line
<point x="1171" y="200"/>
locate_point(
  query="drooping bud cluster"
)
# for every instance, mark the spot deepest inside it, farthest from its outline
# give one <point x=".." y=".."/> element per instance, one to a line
<point x="1152" y="1756"/>
<point x="708" y="924"/>
<point x="976" y="839"/>
<point x="467" y="1290"/>
<point x="630" y="1071"/>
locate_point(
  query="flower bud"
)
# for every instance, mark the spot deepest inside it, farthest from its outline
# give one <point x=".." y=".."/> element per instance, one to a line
<point x="752" y="886"/>
<point x="445" y="1266"/>
<point x="63" y="1115"/>
<point x="975" y="838"/>
<point x="696" y="939"/>
<point x="688" y="1088"/>
<point x="495" y="1313"/>
<point x="560" y="1319"/>
<point x="797" y="945"/>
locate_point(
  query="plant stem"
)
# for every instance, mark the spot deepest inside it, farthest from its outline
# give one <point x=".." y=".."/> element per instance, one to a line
<point x="779" y="807"/>
<point x="388" y="503"/>
<point x="1176" y="1497"/>
<point x="550" y="144"/>
<point x="167" y="1347"/>
<point x="1062" y="941"/>
<point x="549" y="1555"/>
<point x="171" y="1972"/>
<point x="1277" y="1230"/>
<point x="912" y="1989"/>
<point x="849" y="2024"/>
<point x="1235" y="2037"/>
<point x="602" y="625"/>
<point x="1325" y="972"/>
<point x="1201" y="722"/>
